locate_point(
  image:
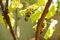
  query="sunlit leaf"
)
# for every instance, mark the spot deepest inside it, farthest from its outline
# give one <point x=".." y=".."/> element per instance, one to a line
<point x="41" y="2"/>
<point x="34" y="6"/>
<point x="22" y="12"/>
<point x="35" y="16"/>
<point x="52" y="11"/>
<point x="45" y="24"/>
<point x="15" y="4"/>
<point x="51" y="30"/>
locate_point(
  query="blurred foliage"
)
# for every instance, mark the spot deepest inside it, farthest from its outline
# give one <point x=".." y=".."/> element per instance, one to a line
<point x="1" y="19"/>
<point x="52" y="11"/>
<point x="41" y="2"/>
<point x="51" y="30"/>
<point x="38" y="12"/>
<point x="14" y="4"/>
<point x="58" y="4"/>
<point x="27" y="3"/>
<point x="35" y="7"/>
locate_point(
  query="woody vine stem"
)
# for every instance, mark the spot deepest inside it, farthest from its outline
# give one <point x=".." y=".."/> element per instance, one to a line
<point x="7" y="18"/>
<point x="39" y="24"/>
<point x="40" y="21"/>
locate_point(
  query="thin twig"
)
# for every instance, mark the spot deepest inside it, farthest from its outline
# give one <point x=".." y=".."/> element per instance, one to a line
<point x="40" y="21"/>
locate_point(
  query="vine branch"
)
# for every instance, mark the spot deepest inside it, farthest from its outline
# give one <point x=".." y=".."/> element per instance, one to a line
<point x="6" y="17"/>
<point x="40" y="21"/>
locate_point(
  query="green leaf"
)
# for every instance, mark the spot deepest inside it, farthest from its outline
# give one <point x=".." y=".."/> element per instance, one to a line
<point x="51" y="30"/>
<point x="1" y="19"/>
<point x="41" y="2"/>
<point x="14" y="4"/>
<point x="37" y="14"/>
<point x="45" y="25"/>
<point x="52" y="11"/>
<point x="34" y="6"/>
<point x="22" y="12"/>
